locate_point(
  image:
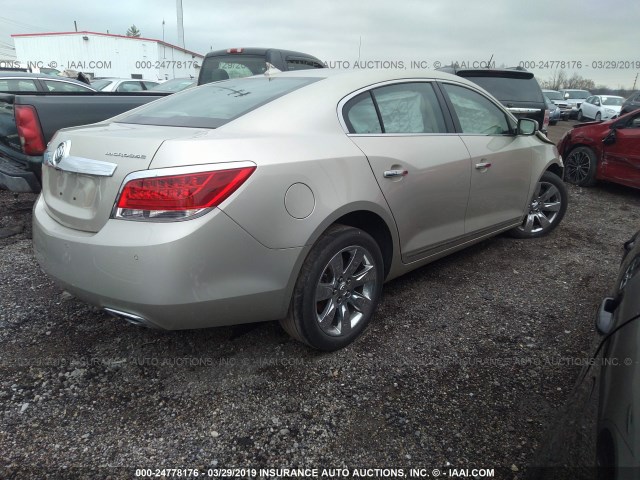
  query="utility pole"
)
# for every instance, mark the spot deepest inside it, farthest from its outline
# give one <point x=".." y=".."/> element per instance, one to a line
<point x="180" y="23"/>
<point x="634" y="82"/>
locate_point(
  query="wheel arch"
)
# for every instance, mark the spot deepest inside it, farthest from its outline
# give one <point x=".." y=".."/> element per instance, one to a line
<point x="555" y="168"/>
<point x="370" y="218"/>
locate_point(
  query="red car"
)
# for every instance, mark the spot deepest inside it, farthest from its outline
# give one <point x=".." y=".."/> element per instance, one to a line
<point x="603" y="151"/>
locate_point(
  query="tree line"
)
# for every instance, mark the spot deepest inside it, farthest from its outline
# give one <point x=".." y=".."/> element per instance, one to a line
<point x="560" y="79"/>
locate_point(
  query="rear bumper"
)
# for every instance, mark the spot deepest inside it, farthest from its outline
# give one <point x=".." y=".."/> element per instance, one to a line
<point x="14" y="177"/>
<point x="198" y="273"/>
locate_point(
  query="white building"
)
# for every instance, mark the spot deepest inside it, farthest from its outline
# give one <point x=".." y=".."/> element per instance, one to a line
<point x="107" y="55"/>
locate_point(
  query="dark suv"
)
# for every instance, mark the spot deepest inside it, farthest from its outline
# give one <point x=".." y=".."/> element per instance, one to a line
<point x="630" y="104"/>
<point x="517" y="89"/>
<point x="244" y="62"/>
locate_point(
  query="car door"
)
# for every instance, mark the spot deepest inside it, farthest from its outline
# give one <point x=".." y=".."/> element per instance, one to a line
<point x="621" y="158"/>
<point x="423" y="169"/>
<point x="500" y="159"/>
<point x="588" y="108"/>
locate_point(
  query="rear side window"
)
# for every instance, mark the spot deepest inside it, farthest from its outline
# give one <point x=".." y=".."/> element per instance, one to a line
<point x="477" y="115"/>
<point x="17" y="85"/>
<point x="130" y="87"/>
<point x="68" y="87"/>
<point x="403" y="108"/>
<point x="511" y="89"/>
<point x="215" y="104"/>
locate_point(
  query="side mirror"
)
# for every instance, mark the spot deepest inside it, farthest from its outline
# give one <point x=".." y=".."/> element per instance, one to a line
<point x="604" y="318"/>
<point x="610" y="138"/>
<point x="527" y="126"/>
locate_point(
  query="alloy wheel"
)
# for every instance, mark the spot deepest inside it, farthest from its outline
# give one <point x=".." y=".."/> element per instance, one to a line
<point x="543" y="209"/>
<point x="345" y="291"/>
<point x="577" y="166"/>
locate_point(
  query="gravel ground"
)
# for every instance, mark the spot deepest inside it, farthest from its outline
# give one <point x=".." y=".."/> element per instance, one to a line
<point x="461" y="367"/>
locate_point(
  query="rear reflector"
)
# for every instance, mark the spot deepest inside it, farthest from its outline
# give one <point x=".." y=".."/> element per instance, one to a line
<point x="178" y="196"/>
<point x="29" y="131"/>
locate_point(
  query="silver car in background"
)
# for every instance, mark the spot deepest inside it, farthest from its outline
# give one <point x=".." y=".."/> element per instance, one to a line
<point x="288" y="197"/>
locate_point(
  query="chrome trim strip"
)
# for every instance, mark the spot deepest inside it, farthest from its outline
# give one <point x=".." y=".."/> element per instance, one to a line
<point x="464" y="239"/>
<point x="523" y="110"/>
<point x="86" y="166"/>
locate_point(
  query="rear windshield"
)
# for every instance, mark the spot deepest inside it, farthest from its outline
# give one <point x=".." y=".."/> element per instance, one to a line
<point x="224" y="67"/>
<point x="554" y="95"/>
<point x="511" y="89"/>
<point x="214" y="104"/>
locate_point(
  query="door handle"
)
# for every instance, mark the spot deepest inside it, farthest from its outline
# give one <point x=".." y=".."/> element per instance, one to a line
<point x="394" y="173"/>
<point x="480" y="166"/>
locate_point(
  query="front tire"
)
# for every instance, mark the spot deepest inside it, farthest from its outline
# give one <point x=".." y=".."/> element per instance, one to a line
<point x="580" y="116"/>
<point x="598" y="117"/>
<point x="580" y="167"/>
<point x="337" y="290"/>
<point x="546" y="208"/>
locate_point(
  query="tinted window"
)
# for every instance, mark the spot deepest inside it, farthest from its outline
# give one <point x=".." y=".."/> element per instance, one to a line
<point x="17" y="85"/>
<point x="215" y="104"/>
<point x="100" y="84"/>
<point x="224" y="67"/>
<point x="477" y="115"/>
<point x="510" y="89"/>
<point x="149" y="85"/>
<point x="54" y="86"/>
<point x="130" y="87"/>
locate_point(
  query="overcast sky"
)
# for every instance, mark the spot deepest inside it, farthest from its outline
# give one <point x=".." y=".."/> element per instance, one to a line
<point x="431" y="31"/>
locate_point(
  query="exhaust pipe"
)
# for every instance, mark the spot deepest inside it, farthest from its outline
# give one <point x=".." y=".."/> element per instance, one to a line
<point x="136" y="320"/>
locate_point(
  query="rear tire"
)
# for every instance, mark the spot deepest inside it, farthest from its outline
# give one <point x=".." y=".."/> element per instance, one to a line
<point x="546" y="208"/>
<point x="337" y="290"/>
<point x="580" y="167"/>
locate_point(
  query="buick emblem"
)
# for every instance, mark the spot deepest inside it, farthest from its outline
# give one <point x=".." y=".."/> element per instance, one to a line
<point x="59" y="154"/>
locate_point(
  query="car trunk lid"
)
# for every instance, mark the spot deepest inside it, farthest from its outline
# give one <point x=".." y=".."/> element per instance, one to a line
<point x="85" y="167"/>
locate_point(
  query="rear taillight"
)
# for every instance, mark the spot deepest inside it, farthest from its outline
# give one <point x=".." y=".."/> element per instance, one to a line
<point x="178" y="196"/>
<point x="545" y="122"/>
<point x="235" y="50"/>
<point x="29" y="130"/>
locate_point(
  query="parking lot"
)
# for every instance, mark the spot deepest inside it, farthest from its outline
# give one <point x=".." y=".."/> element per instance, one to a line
<point x="463" y="365"/>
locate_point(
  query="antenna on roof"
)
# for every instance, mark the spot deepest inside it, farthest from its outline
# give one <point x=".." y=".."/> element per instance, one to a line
<point x="489" y="64"/>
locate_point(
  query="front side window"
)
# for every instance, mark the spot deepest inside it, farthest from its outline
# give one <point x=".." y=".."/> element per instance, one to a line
<point x="477" y="115"/>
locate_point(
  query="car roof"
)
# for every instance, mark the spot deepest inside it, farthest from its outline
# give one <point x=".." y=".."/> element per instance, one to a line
<point x="42" y="76"/>
<point x="255" y="51"/>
